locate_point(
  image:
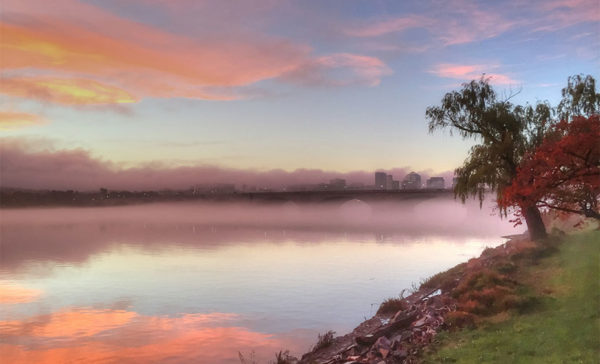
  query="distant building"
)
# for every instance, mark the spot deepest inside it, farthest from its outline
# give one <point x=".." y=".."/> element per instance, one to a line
<point x="384" y="181"/>
<point x="411" y="181"/>
<point x="337" y="184"/>
<point x="380" y="180"/>
<point x="435" y="183"/>
<point x="389" y="182"/>
<point x="357" y="186"/>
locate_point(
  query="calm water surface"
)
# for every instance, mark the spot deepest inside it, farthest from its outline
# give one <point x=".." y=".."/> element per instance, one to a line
<point x="200" y="283"/>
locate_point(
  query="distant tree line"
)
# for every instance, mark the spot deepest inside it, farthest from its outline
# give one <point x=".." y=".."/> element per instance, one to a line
<point x="102" y="197"/>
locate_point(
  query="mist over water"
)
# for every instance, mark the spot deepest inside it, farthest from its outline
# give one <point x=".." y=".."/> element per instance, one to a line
<point x="200" y="282"/>
<point x="423" y="216"/>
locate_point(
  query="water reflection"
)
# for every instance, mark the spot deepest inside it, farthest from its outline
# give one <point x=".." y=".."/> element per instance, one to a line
<point x="13" y="293"/>
<point x="197" y="283"/>
<point x="109" y="335"/>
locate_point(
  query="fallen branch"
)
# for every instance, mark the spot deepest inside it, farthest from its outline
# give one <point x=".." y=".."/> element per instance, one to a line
<point x="403" y="320"/>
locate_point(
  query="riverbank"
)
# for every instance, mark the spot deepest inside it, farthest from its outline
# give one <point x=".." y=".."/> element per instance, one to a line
<point x="564" y="325"/>
<point x="499" y="307"/>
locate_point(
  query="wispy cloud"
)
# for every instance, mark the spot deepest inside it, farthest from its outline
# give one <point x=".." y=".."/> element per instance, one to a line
<point x="67" y="91"/>
<point x="461" y="23"/>
<point x="340" y="69"/>
<point x="388" y="26"/>
<point x="82" y="60"/>
<point x="163" y="65"/>
<point x="15" y="120"/>
<point x="465" y="21"/>
<point x="559" y="14"/>
<point x="470" y="72"/>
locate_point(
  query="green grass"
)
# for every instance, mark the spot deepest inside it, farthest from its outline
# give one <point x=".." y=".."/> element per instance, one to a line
<point x="564" y="327"/>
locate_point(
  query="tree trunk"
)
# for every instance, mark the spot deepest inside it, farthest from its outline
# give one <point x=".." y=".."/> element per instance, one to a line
<point x="535" y="224"/>
<point x="591" y="213"/>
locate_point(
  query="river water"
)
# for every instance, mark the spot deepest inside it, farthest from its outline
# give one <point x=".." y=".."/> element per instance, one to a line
<point x="202" y="283"/>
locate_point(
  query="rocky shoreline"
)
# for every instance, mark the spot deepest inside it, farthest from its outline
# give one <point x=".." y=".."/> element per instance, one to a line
<point x="385" y="339"/>
<point x="455" y="298"/>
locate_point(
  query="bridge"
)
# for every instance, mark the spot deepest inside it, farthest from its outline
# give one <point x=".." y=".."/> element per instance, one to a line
<point x="342" y="196"/>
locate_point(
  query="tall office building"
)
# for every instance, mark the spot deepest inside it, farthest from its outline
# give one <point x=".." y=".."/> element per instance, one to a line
<point x="435" y="183"/>
<point x="411" y="181"/>
<point x="389" y="182"/>
<point x="380" y="180"/>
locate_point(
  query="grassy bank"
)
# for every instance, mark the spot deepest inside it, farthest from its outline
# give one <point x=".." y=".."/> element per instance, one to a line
<point x="562" y="327"/>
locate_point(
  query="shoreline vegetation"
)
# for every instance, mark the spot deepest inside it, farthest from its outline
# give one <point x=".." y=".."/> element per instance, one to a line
<point x="15" y="198"/>
<point x="522" y="301"/>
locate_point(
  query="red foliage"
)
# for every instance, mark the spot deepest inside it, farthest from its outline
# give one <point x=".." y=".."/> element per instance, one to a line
<point x="458" y="319"/>
<point x="563" y="173"/>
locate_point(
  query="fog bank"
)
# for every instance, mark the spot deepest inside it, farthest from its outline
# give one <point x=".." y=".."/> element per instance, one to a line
<point x="25" y="166"/>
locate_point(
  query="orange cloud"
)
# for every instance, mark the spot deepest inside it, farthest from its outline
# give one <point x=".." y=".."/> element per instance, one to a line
<point x="92" y="335"/>
<point x="129" y="60"/>
<point x="471" y="72"/>
<point x="163" y="65"/>
<point x="65" y="91"/>
<point x="12" y="294"/>
<point x="14" y="120"/>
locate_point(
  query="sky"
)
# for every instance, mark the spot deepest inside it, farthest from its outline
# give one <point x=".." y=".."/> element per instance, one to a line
<point x="164" y="93"/>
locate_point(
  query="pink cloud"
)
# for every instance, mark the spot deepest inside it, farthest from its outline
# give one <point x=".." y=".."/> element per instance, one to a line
<point x="71" y="44"/>
<point x="390" y="26"/>
<point x="459" y="23"/>
<point x="464" y="21"/>
<point x="27" y="165"/>
<point x="67" y="91"/>
<point x="15" y="120"/>
<point x="162" y="65"/>
<point x="340" y="69"/>
<point x="566" y="13"/>
<point x="470" y="72"/>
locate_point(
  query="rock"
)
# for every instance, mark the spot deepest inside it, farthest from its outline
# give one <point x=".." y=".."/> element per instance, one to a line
<point x="400" y="354"/>
<point x="383" y="342"/>
<point x="396" y="340"/>
<point x="383" y="346"/>
<point x="420" y="322"/>
<point x="384" y="352"/>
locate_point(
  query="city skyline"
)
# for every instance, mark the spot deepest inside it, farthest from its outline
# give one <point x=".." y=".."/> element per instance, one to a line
<point x="108" y="92"/>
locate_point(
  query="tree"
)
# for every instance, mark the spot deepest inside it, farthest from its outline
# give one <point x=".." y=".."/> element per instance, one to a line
<point x="563" y="173"/>
<point x="505" y="132"/>
<point x="579" y="98"/>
